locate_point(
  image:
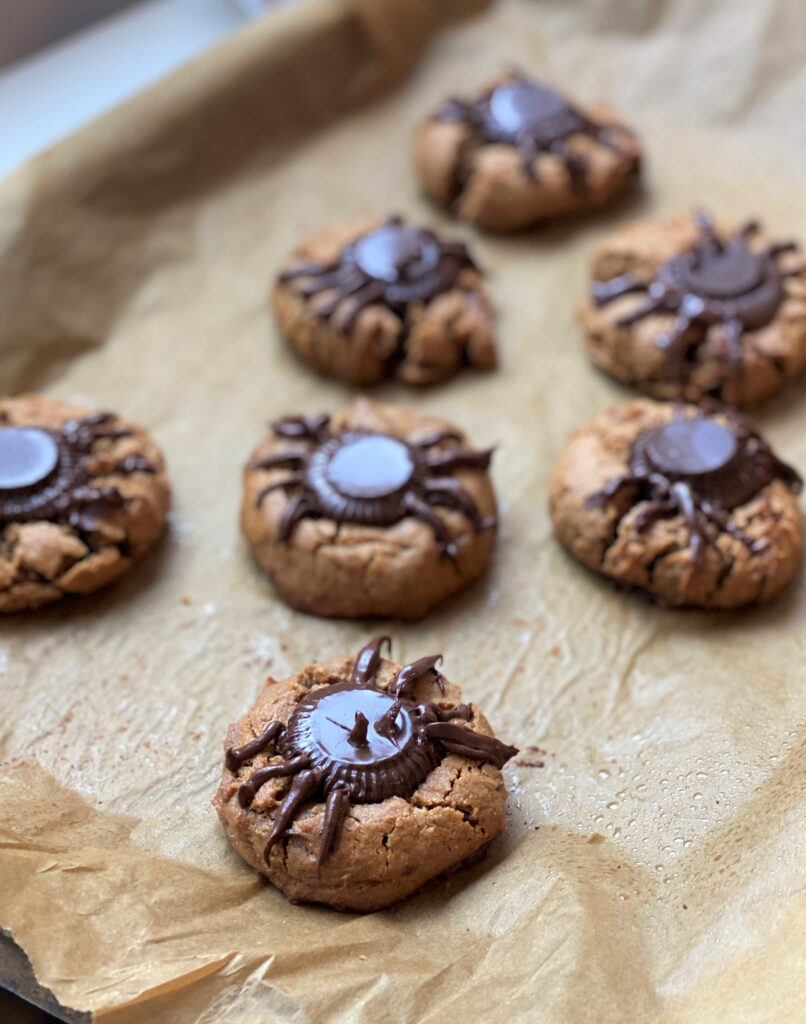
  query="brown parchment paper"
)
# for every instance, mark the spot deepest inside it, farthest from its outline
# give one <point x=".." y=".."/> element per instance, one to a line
<point x="654" y="869"/>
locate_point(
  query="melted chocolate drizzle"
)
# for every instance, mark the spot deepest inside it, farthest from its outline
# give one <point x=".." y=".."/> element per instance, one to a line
<point x="700" y="467"/>
<point x="535" y="119"/>
<point x="352" y="742"/>
<point x="45" y="474"/>
<point x="372" y="479"/>
<point x="396" y="265"/>
<point x="716" y="282"/>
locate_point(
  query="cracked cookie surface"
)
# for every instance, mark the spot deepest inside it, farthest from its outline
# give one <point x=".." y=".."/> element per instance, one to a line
<point x="685" y="503"/>
<point x="83" y="495"/>
<point x="375" y="511"/>
<point x="686" y="309"/>
<point x="383" y="847"/>
<point x="521" y="153"/>
<point x="363" y="302"/>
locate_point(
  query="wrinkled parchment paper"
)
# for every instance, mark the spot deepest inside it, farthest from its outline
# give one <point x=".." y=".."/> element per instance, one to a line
<point x="654" y="868"/>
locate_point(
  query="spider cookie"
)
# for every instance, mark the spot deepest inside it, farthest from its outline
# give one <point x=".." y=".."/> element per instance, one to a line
<point x="83" y="494"/>
<point x="376" y="511"/>
<point x="521" y="153"/>
<point x="688" y="503"/>
<point x="365" y="302"/>
<point x="355" y="782"/>
<point x="683" y="309"/>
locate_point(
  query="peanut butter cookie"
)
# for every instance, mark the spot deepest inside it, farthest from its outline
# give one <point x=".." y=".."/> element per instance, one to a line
<point x="355" y="782"/>
<point x="521" y="153"/>
<point x="369" y="301"/>
<point x="683" y="309"/>
<point x="83" y="495"/>
<point x="376" y="511"/>
<point x="688" y="503"/>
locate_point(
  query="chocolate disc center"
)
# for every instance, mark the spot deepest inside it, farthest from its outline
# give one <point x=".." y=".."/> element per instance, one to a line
<point x="394" y="252"/>
<point x="27" y="457"/>
<point x="520" y="105"/>
<point x="724" y="274"/>
<point x="370" y="467"/>
<point x="332" y="723"/>
<point x="692" y="447"/>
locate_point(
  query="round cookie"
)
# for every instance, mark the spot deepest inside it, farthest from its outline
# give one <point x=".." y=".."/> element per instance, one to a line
<point x="687" y="503"/>
<point x="83" y="494"/>
<point x="363" y="302"/>
<point x="683" y="309"/>
<point x="376" y="511"/>
<point x="521" y="153"/>
<point x="355" y="782"/>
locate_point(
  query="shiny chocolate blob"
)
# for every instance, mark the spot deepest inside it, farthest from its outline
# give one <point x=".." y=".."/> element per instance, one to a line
<point x="395" y="264"/>
<point x="717" y="282"/>
<point x="372" y="479"/>
<point x="45" y="474"/>
<point x="352" y="742"/>
<point x="533" y="118"/>
<point x="700" y="466"/>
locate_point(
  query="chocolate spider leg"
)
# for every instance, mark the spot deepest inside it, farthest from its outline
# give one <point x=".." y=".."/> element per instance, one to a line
<point x="650" y="513"/>
<point x="365" y="296"/>
<point x="449" y="493"/>
<point x="457" y="739"/>
<point x="302" y="788"/>
<point x="349" y="285"/>
<point x="248" y="791"/>
<point x="606" y="291"/>
<point x="297" y="509"/>
<point x="575" y="164"/>
<point x="236" y="756"/>
<point x="779" y="248"/>
<point x="705" y="222"/>
<point x="294" y="460"/>
<point x="748" y="229"/>
<point x="325" y="282"/>
<point x="420" y="510"/>
<point x="673" y="343"/>
<point x="687" y="505"/>
<point x="307" y="268"/>
<point x="653" y="304"/>
<point x="386" y="725"/>
<point x="294" y="480"/>
<point x="527" y="151"/>
<point x="410" y="674"/>
<point x="437" y="437"/>
<point x="337" y="806"/>
<point x="454" y="110"/>
<point x="720" y="518"/>
<point x="794" y="271"/>
<point x="463" y="711"/>
<point x="615" y="484"/>
<point x="307" y="428"/>
<point x="733" y="341"/>
<point x="459" y="458"/>
<point x="368" y="660"/>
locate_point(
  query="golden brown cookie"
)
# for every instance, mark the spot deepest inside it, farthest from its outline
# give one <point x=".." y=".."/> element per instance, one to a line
<point x="375" y="511"/>
<point x="362" y="302"/>
<point x="521" y="153"/>
<point x="687" y="503"/>
<point x="355" y="782"/>
<point x="83" y="495"/>
<point x="683" y="309"/>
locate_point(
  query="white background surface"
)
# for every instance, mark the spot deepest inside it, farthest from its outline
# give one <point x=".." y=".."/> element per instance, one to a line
<point x="45" y="97"/>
